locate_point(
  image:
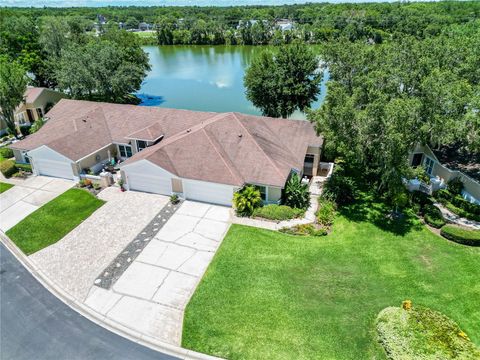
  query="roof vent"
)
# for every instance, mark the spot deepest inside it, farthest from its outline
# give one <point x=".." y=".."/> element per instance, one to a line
<point x="84" y="120"/>
<point x="188" y="130"/>
<point x="240" y="135"/>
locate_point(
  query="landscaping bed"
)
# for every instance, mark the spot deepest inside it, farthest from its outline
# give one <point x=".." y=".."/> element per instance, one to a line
<point x="461" y="235"/>
<point x="53" y="220"/>
<point x="268" y="295"/>
<point x="420" y="333"/>
<point x="277" y="212"/>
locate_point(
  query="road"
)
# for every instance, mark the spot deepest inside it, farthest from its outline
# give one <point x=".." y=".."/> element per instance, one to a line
<point x="34" y="324"/>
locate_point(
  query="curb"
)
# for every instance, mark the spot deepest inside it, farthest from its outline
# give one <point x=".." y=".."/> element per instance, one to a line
<point x="85" y="311"/>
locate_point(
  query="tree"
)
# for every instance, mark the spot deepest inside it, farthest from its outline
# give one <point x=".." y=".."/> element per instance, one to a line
<point x="246" y="200"/>
<point x="283" y="81"/>
<point x="383" y="99"/>
<point x="101" y="70"/>
<point x="13" y="84"/>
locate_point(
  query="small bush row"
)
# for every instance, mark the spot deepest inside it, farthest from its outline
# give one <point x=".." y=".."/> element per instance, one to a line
<point x="326" y="212"/>
<point x="6" y="153"/>
<point x="433" y="216"/>
<point x="461" y="235"/>
<point x="8" y="168"/>
<point x="305" y="230"/>
<point x="458" y="205"/>
<point x="278" y="212"/>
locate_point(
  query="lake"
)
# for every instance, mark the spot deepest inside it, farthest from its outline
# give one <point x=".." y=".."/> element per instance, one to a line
<point x="204" y="78"/>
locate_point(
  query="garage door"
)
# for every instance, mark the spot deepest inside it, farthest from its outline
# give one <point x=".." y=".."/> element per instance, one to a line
<point x="208" y="192"/>
<point x="60" y="169"/>
<point x="149" y="183"/>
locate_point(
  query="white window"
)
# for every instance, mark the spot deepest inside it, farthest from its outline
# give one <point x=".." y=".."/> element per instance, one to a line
<point x="428" y="165"/>
<point x="141" y="144"/>
<point x="125" y="151"/>
<point x="21" y="119"/>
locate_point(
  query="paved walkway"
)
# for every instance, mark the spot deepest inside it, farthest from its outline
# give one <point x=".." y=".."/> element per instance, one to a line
<point x="309" y="217"/>
<point x="27" y="196"/>
<point x="454" y="218"/>
<point x="152" y="294"/>
<point x="75" y="261"/>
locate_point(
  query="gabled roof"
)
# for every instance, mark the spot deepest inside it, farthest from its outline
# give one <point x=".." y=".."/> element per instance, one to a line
<point x="228" y="148"/>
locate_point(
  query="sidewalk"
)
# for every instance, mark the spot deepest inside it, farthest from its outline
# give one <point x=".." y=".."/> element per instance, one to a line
<point x="455" y="219"/>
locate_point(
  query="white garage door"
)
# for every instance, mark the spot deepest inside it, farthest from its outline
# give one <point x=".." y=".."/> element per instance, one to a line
<point x="54" y="168"/>
<point x="208" y="192"/>
<point x="149" y="183"/>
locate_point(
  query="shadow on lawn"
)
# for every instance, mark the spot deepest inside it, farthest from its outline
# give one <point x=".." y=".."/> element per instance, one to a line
<point x="374" y="210"/>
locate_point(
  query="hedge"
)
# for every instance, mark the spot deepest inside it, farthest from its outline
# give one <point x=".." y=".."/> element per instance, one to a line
<point x="433" y="216"/>
<point x="461" y="235"/>
<point x="278" y="212"/>
<point x="8" y="168"/>
<point x="6" y="153"/>
<point x="24" y="167"/>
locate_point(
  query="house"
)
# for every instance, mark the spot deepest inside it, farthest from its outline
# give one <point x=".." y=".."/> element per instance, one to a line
<point x="284" y="24"/>
<point x="143" y="26"/>
<point x="202" y="156"/>
<point x="444" y="164"/>
<point x="37" y="101"/>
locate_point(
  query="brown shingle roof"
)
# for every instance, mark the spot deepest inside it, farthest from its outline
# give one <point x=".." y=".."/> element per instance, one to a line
<point x="228" y="148"/>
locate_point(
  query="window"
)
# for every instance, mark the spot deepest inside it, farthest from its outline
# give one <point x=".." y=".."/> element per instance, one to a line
<point x="21" y="119"/>
<point x="39" y="113"/>
<point x="125" y="151"/>
<point x="141" y="145"/>
<point x="417" y="159"/>
<point x="428" y="165"/>
<point x="309" y="158"/>
<point x="263" y="192"/>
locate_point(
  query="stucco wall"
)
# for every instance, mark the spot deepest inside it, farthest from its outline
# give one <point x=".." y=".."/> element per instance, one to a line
<point x="316" y="151"/>
<point x="92" y="160"/>
<point x="274" y="194"/>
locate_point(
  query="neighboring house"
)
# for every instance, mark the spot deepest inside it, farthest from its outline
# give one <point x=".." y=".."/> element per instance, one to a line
<point x="202" y="156"/>
<point x="447" y="163"/>
<point x="284" y="24"/>
<point x="143" y="26"/>
<point x="37" y="101"/>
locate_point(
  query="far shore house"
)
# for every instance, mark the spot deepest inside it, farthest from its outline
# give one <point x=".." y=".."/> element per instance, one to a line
<point x="202" y="156"/>
<point x="37" y="101"/>
<point x="448" y="163"/>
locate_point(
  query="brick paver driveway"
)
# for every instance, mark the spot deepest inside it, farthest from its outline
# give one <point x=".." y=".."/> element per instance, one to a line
<point x="75" y="261"/>
<point x="152" y="293"/>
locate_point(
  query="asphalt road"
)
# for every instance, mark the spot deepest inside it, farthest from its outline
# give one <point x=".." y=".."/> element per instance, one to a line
<point x="34" y="324"/>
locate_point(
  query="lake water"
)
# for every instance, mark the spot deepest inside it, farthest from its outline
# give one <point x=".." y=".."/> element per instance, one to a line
<point x="204" y="78"/>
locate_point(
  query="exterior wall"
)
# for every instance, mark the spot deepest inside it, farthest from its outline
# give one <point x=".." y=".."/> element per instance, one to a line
<point x="274" y="194"/>
<point x="316" y="151"/>
<point x="19" y="156"/>
<point x="92" y="160"/>
<point x="45" y="153"/>
<point x="423" y="150"/>
<point x="47" y="96"/>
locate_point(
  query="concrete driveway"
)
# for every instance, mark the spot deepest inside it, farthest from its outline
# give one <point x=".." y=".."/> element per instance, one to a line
<point x="153" y="292"/>
<point x="26" y="197"/>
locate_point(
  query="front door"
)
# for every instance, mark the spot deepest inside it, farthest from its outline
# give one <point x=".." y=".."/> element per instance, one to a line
<point x="30" y="116"/>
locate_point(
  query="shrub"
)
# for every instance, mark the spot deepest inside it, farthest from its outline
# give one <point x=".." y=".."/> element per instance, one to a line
<point x="20" y="174"/>
<point x="36" y="126"/>
<point x="246" y="200"/>
<point x="463" y="204"/>
<point x="25" y="130"/>
<point x="297" y="194"/>
<point x="326" y="212"/>
<point x="97" y="186"/>
<point x="455" y="186"/>
<point x="420" y="333"/>
<point x="433" y="216"/>
<point x="174" y="199"/>
<point x="461" y="235"/>
<point x="6" y="153"/>
<point x="304" y="230"/>
<point x="24" y="167"/>
<point x="340" y="188"/>
<point x="278" y="212"/>
<point x="8" y="168"/>
<point x="421" y="198"/>
<point x="85" y="183"/>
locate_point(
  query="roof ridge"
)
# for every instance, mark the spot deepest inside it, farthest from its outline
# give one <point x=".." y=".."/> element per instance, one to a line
<point x="235" y="173"/>
<point x="256" y="143"/>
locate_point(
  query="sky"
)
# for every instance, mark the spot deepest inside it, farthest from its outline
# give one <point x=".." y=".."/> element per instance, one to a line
<point x="68" y="3"/>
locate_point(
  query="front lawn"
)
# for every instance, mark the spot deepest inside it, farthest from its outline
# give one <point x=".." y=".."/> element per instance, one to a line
<point x="269" y="295"/>
<point x="53" y="220"/>
<point x="4" y="187"/>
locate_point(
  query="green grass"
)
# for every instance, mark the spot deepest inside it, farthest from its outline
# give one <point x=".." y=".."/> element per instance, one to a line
<point x="4" y="187"/>
<point x="53" y="220"/>
<point x="269" y="295"/>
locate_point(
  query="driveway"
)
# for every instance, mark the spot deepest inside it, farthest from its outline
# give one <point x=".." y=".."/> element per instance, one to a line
<point x="75" y="261"/>
<point x="153" y="292"/>
<point x="36" y="325"/>
<point x="27" y="196"/>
